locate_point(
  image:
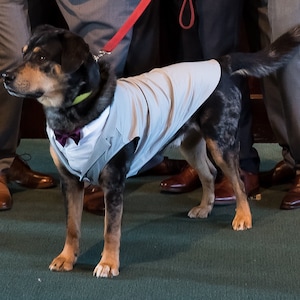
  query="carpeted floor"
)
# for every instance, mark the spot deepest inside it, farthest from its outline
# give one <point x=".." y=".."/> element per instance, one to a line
<point x="164" y="254"/>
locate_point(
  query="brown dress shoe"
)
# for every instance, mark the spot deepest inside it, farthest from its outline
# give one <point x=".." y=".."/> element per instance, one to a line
<point x="251" y="182"/>
<point x="292" y="199"/>
<point x="21" y="173"/>
<point x="166" y="167"/>
<point x="224" y="194"/>
<point x="184" y="182"/>
<point x="94" y="200"/>
<point x="282" y="173"/>
<point x="5" y="196"/>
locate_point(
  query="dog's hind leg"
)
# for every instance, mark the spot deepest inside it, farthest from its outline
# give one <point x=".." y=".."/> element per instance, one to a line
<point x="229" y="165"/>
<point x="196" y="156"/>
<point x="73" y="191"/>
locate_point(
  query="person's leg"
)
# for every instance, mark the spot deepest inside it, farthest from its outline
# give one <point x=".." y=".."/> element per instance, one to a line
<point x="215" y="23"/>
<point x="282" y="91"/>
<point x="286" y="123"/>
<point x="272" y="94"/>
<point x="10" y="53"/>
<point x="283" y="172"/>
<point x="218" y="21"/>
<point x="12" y="168"/>
<point x="290" y="91"/>
<point x="219" y="32"/>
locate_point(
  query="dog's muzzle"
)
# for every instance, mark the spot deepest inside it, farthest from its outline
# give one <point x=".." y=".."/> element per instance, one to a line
<point x="8" y="82"/>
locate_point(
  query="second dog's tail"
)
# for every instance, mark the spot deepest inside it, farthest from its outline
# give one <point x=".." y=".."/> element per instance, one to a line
<point x="266" y="61"/>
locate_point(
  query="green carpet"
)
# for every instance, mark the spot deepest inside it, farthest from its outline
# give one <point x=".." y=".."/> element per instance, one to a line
<point x="164" y="254"/>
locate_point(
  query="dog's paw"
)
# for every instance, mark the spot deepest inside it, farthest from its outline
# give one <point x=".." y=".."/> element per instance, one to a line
<point x="61" y="263"/>
<point x="105" y="270"/>
<point x="199" y="212"/>
<point x="242" y="222"/>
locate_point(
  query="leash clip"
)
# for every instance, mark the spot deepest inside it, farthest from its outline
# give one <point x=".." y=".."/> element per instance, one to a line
<point x="101" y="54"/>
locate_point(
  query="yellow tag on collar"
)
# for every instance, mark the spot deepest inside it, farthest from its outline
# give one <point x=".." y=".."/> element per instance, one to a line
<point x="81" y="98"/>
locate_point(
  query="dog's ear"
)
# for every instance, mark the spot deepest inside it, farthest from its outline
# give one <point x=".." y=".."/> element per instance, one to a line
<point x="44" y="29"/>
<point x="40" y="34"/>
<point x="74" y="52"/>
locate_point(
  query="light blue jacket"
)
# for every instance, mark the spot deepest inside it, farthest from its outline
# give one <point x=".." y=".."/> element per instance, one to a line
<point x="152" y="107"/>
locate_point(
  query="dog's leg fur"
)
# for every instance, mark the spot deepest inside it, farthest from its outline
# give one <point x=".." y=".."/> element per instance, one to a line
<point x="196" y="155"/>
<point x="73" y="191"/>
<point x="229" y="165"/>
<point x="109" y="263"/>
<point x="112" y="181"/>
<point x="113" y="195"/>
<point x="193" y="148"/>
<point x="207" y="174"/>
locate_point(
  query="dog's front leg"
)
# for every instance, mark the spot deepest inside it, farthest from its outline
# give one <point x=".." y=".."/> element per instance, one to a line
<point x="243" y="217"/>
<point x="112" y="181"/>
<point x="109" y="263"/>
<point x="73" y="192"/>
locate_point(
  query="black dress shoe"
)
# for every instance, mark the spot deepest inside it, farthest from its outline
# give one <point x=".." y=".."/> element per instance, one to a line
<point x="21" y="173"/>
<point x="93" y="201"/>
<point x="224" y="194"/>
<point x="5" y="196"/>
<point x="292" y="199"/>
<point x="282" y="173"/>
<point x="186" y="181"/>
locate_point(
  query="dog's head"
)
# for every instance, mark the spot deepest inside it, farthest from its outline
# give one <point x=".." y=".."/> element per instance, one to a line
<point x="57" y="67"/>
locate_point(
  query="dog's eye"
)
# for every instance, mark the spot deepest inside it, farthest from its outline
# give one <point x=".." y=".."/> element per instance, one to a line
<point x="42" y="57"/>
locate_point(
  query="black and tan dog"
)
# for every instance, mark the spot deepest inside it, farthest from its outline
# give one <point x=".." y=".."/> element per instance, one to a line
<point x="87" y="110"/>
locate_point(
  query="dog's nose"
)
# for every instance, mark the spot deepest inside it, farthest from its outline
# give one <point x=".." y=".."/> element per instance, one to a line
<point x="8" y="77"/>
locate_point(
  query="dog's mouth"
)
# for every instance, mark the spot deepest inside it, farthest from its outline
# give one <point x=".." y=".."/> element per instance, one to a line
<point x="16" y="93"/>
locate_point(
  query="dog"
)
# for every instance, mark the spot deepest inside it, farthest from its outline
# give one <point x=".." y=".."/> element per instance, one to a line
<point x="87" y="109"/>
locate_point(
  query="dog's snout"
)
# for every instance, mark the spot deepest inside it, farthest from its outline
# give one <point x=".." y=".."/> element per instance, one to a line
<point x="8" y="77"/>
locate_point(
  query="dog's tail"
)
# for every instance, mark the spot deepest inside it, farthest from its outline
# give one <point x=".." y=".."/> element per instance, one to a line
<point x="266" y="61"/>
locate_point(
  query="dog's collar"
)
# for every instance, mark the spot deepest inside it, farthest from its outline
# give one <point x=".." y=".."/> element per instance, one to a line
<point x="81" y="97"/>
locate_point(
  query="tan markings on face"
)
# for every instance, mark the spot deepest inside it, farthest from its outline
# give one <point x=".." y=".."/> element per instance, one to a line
<point x="36" y="49"/>
<point x="31" y="79"/>
<point x="24" y="49"/>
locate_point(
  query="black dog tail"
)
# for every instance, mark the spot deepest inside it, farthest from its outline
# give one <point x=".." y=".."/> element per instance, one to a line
<point x="266" y="61"/>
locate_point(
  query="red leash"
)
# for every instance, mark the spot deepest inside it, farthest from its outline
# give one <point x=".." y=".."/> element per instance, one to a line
<point x="115" y="40"/>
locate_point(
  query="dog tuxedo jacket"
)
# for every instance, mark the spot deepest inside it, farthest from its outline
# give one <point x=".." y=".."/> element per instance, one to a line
<point x="151" y="107"/>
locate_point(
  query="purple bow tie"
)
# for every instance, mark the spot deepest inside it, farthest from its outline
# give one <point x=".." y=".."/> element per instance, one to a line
<point x="62" y="137"/>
